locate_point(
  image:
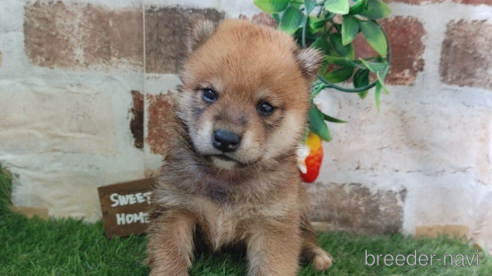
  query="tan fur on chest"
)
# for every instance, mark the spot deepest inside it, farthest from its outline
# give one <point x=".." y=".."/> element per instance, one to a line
<point x="225" y="225"/>
<point x="218" y="223"/>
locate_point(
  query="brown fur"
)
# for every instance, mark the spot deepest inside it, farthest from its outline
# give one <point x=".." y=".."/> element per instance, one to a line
<point x="255" y="196"/>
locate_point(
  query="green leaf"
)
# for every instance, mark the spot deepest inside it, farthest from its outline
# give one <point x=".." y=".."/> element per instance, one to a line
<point x="344" y="62"/>
<point x="344" y="50"/>
<point x="296" y="4"/>
<point x="333" y="119"/>
<point x="338" y="61"/>
<point x="276" y="17"/>
<point x="350" y="28"/>
<point x="315" y="24"/>
<point x="317" y="123"/>
<point x="323" y="68"/>
<point x="375" y="37"/>
<point x="320" y="23"/>
<point x="321" y="43"/>
<point x="376" y="9"/>
<point x="339" y="75"/>
<point x="271" y="6"/>
<point x="290" y="21"/>
<point x="330" y="49"/>
<point x="374" y="66"/>
<point x="309" y="5"/>
<point x="312" y="22"/>
<point x="361" y="79"/>
<point x="316" y="91"/>
<point x="337" y="6"/>
<point x="377" y="94"/>
<point x="310" y="37"/>
<point x="358" y="7"/>
<point x="381" y="77"/>
<point x="363" y="94"/>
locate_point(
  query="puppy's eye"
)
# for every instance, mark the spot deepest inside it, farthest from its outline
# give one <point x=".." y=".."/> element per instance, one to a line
<point x="209" y="95"/>
<point x="265" y="108"/>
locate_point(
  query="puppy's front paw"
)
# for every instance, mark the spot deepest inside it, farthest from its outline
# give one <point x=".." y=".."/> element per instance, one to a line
<point x="322" y="259"/>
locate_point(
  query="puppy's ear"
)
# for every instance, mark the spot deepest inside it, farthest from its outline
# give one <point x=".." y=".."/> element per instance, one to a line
<point x="200" y="30"/>
<point x="309" y="61"/>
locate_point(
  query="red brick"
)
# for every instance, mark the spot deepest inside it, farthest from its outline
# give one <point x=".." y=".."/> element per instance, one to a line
<point x="265" y="19"/>
<point x="471" y="2"/>
<point x="165" y="36"/>
<point x="137" y="122"/>
<point x="405" y="35"/>
<point x="354" y="208"/>
<point x="465" y="54"/>
<point x="84" y="36"/>
<point x="159" y="113"/>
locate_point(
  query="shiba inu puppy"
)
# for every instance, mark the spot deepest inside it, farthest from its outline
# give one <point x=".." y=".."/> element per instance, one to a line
<point x="230" y="172"/>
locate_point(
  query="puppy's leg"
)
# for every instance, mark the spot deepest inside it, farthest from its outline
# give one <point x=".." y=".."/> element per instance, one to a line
<point x="311" y="251"/>
<point x="274" y="250"/>
<point x="170" y="246"/>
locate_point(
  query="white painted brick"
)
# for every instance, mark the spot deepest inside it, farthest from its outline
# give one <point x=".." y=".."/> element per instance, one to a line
<point x="39" y="119"/>
<point x="66" y="184"/>
<point x="445" y="136"/>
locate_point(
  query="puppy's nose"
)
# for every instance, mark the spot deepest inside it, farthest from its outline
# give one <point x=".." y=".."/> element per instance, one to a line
<point x="225" y="140"/>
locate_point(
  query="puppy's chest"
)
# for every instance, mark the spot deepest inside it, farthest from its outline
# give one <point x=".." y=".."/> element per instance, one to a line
<point x="224" y="230"/>
<point x="224" y="224"/>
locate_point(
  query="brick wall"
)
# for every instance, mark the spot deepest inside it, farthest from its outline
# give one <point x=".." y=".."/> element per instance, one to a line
<point x="431" y="143"/>
<point x="84" y="99"/>
<point x="66" y="79"/>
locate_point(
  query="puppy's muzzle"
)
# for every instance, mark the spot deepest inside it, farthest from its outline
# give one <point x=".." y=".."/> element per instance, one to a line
<point x="225" y="140"/>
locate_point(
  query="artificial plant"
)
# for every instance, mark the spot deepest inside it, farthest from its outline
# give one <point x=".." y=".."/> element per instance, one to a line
<point x="331" y="26"/>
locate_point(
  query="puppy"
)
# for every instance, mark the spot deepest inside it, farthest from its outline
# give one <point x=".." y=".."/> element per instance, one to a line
<point x="230" y="170"/>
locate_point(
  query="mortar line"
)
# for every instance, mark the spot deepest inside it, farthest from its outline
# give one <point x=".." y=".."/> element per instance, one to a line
<point x="144" y="93"/>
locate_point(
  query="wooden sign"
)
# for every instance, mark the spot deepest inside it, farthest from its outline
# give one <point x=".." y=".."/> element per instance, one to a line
<point x="125" y="207"/>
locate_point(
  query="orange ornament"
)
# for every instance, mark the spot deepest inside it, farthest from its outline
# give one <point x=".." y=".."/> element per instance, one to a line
<point x="314" y="159"/>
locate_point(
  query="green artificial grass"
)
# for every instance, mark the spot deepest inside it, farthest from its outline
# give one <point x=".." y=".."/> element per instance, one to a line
<point x="5" y="189"/>
<point x="71" y="247"/>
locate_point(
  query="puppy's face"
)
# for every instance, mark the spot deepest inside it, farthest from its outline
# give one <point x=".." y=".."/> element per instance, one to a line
<point x="245" y="92"/>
